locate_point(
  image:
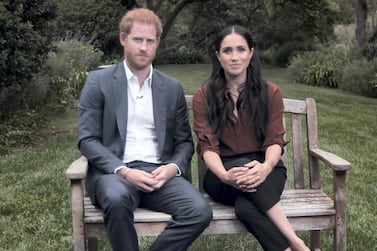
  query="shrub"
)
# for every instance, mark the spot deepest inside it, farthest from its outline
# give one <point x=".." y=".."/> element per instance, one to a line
<point x="181" y="56"/>
<point x="26" y="28"/>
<point x="370" y="51"/>
<point x="67" y="68"/>
<point x="345" y="35"/>
<point x="72" y="55"/>
<point x="282" y="54"/>
<point x="57" y="86"/>
<point x="21" y="127"/>
<point x="318" y="67"/>
<point x="75" y="84"/>
<point x="359" y="77"/>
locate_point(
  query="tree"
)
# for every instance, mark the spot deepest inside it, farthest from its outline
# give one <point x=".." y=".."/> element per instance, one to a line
<point x="286" y="25"/>
<point x="101" y="18"/>
<point x="191" y="24"/>
<point x="98" y="23"/>
<point x="365" y="43"/>
<point x="361" y="11"/>
<point x="26" y="30"/>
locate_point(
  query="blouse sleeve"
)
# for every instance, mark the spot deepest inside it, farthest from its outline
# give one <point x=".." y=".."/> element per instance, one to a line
<point x="275" y="128"/>
<point x="206" y="139"/>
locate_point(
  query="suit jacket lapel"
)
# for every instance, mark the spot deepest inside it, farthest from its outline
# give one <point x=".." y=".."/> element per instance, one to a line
<point x="159" y="109"/>
<point x="119" y="84"/>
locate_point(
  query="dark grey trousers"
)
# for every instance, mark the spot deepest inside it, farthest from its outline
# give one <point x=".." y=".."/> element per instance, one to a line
<point x="190" y="212"/>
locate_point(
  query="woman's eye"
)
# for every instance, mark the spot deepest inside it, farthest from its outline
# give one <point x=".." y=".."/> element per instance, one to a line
<point x="227" y="50"/>
<point x="241" y="49"/>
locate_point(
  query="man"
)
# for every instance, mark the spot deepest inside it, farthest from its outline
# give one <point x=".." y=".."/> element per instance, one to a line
<point x="133" y="129"/>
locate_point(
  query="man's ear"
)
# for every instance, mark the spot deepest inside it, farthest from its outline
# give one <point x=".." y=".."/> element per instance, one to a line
<point x="122" y="38"/>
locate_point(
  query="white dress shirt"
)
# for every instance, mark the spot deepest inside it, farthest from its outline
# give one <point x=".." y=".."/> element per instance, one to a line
<point x="141" y="141"/>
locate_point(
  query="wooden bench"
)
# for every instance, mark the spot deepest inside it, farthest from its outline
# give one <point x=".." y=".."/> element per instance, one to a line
<point x="307" y="206"/>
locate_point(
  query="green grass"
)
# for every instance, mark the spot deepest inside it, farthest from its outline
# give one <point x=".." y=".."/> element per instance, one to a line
<point x="35" y="211"/>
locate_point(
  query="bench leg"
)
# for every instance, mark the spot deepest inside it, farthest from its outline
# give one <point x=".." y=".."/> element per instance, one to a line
<point x="92" y="244"/>
<point x="78" y="215"/>
<point x="340" y="234"/>
<point x="315" y="239"/>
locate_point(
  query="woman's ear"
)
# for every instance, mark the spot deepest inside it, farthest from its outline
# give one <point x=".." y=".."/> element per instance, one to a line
<point x="217" y="54"/>
<point x="251" y="53"/>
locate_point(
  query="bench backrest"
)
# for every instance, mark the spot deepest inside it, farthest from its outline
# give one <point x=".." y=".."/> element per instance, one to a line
<point x="300" y="121"/>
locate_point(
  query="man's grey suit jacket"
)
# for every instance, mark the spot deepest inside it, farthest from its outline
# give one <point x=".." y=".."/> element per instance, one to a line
<point x="102" y="123"/>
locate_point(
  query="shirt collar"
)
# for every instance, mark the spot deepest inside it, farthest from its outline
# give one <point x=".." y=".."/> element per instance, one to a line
<point x="130" y="76"/>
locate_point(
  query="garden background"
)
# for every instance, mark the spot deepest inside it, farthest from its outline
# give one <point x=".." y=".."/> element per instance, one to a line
<point x="322" y="49"/>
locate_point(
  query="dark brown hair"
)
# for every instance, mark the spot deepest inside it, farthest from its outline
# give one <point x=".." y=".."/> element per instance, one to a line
<point x="252" y="103"/>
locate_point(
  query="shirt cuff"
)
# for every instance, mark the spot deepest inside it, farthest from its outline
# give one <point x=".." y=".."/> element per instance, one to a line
<point x="179" y="172"/>
<point x="118" y="168"/>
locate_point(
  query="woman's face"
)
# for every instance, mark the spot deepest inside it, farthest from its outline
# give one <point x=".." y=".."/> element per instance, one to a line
<point x="234" y="55"/>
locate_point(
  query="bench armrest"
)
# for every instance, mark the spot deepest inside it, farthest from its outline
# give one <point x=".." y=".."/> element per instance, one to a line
<point x="76" y="172"/>
<point x="78" y="169"/>
<point x="331" y="160"/>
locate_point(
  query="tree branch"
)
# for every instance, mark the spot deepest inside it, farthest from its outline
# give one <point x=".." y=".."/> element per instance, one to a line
<point x="169" y="22"/>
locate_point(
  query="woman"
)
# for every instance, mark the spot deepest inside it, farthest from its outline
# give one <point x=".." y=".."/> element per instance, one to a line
<point x="238" y="122"/>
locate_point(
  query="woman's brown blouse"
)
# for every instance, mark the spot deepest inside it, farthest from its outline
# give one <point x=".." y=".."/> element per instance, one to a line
<point x="238" y="138"/>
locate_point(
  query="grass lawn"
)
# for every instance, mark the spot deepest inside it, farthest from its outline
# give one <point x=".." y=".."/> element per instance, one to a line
<point x="35" y="210"/>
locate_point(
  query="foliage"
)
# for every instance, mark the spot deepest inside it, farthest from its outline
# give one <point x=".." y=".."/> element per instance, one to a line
<point x="271" y="24"/>
<point x="293" y="27"/>
<point x="183" y="56"/>
<point x="281" y="55"/>
<point x="370" y="50"/>
<point x="347" y="9"/>
<point x="26" y="28"/>
<point x="99" y="22"/>
<point x="67" y="67"/>
<point x="335" y="66"/>
<point x="194" y="26"/>
<point x="359" y="77"/>
<point x="318" y="67"/>
<point x="345" y="35"/>
<point x="20" y="128"/>
<point x="58" y="85"/>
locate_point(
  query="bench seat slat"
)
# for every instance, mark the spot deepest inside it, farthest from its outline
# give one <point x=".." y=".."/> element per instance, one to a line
<point x="94" y="214"/>
<point x="296" y="203"/>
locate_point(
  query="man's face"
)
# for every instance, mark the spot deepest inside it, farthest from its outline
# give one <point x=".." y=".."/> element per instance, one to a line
<point x="140" y="45"/>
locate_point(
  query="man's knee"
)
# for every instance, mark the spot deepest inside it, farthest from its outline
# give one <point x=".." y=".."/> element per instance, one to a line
<point x="113" y="201"/>
<point x="202" y="212"/>
<point x="205" y="212"/>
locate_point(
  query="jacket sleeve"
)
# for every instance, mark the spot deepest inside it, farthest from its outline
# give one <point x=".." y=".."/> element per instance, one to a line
<point x="180" y="137"/>
<point x="90" y="126"/>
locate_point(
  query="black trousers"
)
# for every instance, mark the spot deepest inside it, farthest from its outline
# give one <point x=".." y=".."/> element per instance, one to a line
<point x="190" y="212"/>
<point x="251" y="208"/>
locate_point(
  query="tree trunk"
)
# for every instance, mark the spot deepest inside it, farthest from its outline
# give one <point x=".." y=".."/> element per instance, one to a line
<point x="373" y="36"/>
<point x="361" y="11"/>
<point x="173" y="15"/>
